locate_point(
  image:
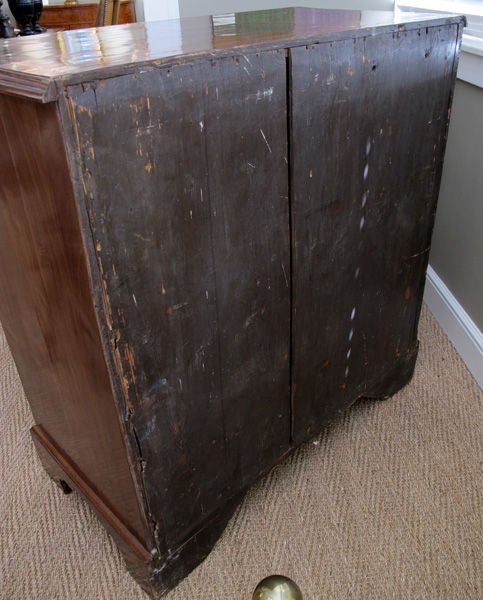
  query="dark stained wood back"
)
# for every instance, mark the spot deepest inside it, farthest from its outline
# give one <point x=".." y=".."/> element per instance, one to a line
<point x="196" y="270"/>
<point x="364" y="198"/>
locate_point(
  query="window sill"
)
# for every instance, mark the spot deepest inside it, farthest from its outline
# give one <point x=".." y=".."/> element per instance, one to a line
<point x="470" y="68"/>
<point x="472" y="44"/>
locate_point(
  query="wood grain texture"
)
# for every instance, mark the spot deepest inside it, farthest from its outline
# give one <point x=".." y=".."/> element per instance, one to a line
<point x="369" y="120"/>
<point x="46" y="306"/>
<point x="195" y="268"/>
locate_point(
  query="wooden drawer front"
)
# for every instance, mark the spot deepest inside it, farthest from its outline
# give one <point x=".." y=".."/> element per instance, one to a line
<point x="81" y="16"/>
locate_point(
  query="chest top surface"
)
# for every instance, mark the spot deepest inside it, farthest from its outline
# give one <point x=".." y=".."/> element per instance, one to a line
<point x="34" y="67"/>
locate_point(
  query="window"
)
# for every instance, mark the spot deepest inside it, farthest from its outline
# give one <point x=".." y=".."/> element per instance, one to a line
<point x="473" y="9"/>
<point x="471" y="61"/>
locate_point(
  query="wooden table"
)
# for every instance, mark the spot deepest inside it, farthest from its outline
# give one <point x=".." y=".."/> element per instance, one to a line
<point x="213" y="239"/>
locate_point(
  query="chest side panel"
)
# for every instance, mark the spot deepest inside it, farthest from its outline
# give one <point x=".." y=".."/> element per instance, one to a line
<point x="185" y="175"/>
<point x="47" y="309"/>
<point x="369" y="122"/>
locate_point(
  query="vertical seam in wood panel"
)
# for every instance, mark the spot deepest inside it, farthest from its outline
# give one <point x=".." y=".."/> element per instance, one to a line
<point x="288" y="80"/>
<point x="212" y="250"/>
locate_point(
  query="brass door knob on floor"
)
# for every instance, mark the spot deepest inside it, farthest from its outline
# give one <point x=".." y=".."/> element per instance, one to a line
<point x="277" y="587"/>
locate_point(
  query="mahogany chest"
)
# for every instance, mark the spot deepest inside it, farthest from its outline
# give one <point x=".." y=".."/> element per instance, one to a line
<point x="214" y="234"/>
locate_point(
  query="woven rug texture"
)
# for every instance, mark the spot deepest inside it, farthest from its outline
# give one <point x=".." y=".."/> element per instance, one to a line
<point x="385" y="503"/>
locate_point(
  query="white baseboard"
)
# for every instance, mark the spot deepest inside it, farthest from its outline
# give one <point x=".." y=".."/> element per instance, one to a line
<point x="456" y="323"/>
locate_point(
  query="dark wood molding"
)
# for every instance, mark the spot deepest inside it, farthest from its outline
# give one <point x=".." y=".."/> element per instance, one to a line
<point x="79" y="482"/>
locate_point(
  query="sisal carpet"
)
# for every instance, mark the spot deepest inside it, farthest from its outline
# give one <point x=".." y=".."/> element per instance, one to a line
<point x="386" y="503"/>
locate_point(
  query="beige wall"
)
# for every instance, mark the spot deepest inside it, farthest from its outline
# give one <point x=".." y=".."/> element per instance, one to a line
<point x="457" y="249"/>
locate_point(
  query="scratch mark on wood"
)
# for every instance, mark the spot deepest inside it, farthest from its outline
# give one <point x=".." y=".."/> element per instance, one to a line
<point x="141" y="237"/>
<point x="249" y="320"/>
<point x="83" y="109"/>
<point x="170" y="310"/>
<point x="285" y="275"/>
<point x="419" y="253"/>
<point x="261" y="95"/>
<point x="129" y="358"/>
<point x="266" y="141"/>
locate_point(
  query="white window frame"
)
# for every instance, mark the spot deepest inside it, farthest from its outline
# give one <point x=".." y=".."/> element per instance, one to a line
<point x="471" y="60"/>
